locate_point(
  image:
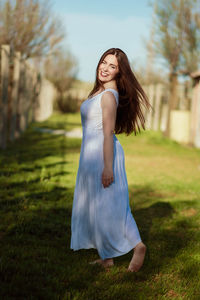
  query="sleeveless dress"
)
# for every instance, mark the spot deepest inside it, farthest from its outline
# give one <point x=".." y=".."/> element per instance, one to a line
<point x="101" y="217"/>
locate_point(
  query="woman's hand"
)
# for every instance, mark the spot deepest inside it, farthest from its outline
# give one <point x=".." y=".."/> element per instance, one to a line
<point x="107" y="177"/>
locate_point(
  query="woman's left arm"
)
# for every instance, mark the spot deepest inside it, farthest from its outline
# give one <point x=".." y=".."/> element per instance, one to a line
<point x="109" y="112"/>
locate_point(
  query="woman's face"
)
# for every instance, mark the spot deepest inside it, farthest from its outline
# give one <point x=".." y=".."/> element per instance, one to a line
<point x="108" y="68"/>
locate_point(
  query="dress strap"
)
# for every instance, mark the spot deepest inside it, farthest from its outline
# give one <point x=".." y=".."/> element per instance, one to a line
<point x="115" y="93"/>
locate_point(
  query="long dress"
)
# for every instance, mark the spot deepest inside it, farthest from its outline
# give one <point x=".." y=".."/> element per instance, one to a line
<point x="101" y="217"/>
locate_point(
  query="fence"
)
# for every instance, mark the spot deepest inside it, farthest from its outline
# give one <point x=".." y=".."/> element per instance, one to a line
<point x="184" y="120"/>
<point x="25" y="96"/>
<point x="23" y="92"/>
<point x="195" y="111"/>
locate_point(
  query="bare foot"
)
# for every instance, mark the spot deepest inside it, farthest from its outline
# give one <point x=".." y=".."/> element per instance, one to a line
<point x="106" y="263"/>
<point x="138" y="258"/>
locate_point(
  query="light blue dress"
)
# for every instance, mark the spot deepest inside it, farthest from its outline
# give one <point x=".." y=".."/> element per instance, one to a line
<point x="101" y="217"/>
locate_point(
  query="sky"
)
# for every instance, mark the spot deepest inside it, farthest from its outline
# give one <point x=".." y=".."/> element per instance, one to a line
<point x="92" y="27"/>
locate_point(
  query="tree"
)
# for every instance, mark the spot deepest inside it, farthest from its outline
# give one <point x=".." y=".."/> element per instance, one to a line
<point x="177" y="33"/>
<point x="148" y="76"/>
<point x="61" y="70"/>
<point x="28" y="26"/>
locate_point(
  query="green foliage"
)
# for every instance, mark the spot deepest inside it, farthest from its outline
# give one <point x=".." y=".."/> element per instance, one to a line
<point x="38" y="174"/>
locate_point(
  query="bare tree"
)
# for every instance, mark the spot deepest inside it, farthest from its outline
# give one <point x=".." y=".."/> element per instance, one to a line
<point x="29" y="26"/>
<point x="61" y="69"/>
<point x="177" y="32"/>
<point x="148" y="76"/>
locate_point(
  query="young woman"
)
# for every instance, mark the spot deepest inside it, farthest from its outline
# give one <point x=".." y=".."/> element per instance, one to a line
<point x="101" y="215"/>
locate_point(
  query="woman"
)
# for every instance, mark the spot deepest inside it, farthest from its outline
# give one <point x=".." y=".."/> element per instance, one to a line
<point x="101" y="215"/>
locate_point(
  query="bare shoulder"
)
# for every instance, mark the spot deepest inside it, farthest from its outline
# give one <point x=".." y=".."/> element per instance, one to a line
<point x="108" y="100"/>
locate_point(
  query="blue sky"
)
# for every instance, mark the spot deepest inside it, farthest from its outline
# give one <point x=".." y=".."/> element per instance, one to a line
<point x="94" y="26"/>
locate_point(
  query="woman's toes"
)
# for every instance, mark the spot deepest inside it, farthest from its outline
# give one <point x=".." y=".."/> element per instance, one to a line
<point x="105" y="263"/>
<point x="97" y="261"/>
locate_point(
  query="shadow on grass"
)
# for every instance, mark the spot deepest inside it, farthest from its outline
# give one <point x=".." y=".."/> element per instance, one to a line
<point x="34" y="146"/>
<point x="37" y="260"/>
<point x="35" y="216"/>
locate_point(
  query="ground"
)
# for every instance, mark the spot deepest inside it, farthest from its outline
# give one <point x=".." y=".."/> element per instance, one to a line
<point x="38" y="174"/>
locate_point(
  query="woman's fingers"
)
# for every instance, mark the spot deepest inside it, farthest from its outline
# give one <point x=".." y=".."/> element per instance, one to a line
<point x="107" y="177"/>
<point x="107" y="181"/>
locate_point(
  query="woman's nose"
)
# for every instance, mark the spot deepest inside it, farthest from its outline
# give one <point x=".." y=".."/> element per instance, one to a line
<point x="105" y="68"/>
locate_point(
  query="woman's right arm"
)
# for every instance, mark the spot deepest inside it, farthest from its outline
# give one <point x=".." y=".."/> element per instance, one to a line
<point x="109" y="112"/>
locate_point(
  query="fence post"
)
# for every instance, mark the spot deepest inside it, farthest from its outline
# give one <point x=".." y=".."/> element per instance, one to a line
<point x="164" y="113"/>
<point x="158" y="96"/>
<point x="27" y="97"/>
<point x="151" y="100"/>
<point x="14" y="95"/>
<point x="195" y="112"/>
<point x="22" y="99"/>
<point x="34" y="94"/>
<point x="31" y="81"/>
<point x="37" y="92"/>
<point x="5" y="56"/>
<point x="197" y="138"/>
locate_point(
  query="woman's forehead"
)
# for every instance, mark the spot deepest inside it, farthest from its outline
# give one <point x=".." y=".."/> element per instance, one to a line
<point x="112" y="59"/>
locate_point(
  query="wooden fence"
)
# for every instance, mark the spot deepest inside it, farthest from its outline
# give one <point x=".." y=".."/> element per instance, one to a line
<point x="20" y="95"/>
<point x="25" y="96"/>
<point x="195" y="111"/>
<point x="184" y="120"/>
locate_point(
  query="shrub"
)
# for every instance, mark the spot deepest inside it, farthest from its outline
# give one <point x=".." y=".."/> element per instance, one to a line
<point x="67" y="104"/>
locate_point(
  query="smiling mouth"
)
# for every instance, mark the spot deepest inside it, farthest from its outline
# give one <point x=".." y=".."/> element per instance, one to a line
<point x="103" y="74"/>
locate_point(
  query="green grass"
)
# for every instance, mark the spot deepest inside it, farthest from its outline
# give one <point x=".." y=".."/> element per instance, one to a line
<point x="38" y="174"/>
<point x="60" y="121"/>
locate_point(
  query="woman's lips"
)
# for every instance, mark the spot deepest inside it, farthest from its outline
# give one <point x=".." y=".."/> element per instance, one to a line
<point x="103" y="74"/>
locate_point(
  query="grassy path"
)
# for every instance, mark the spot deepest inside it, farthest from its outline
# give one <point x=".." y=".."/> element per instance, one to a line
<point x="38" y="174"/>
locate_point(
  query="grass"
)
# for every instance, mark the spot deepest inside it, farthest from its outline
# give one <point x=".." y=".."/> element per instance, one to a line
<point x="38" y="174"/>
<point x="60" y="121"/>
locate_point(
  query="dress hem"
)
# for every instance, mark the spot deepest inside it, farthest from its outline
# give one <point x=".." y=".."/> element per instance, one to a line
<point x="115" y="255"/>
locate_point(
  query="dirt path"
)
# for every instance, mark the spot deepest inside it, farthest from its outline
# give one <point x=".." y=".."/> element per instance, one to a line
<point x="76" y="132"/>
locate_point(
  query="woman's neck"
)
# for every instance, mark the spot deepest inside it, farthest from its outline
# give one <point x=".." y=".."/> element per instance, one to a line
<point x="110" y="85"/>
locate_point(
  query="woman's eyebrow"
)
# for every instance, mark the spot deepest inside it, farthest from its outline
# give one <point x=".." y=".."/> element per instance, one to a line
<point x="113" y="65"/>
<point x="110" y="64"/>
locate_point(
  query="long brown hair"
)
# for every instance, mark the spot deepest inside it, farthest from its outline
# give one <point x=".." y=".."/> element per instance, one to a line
<point x="132" y="98"/>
